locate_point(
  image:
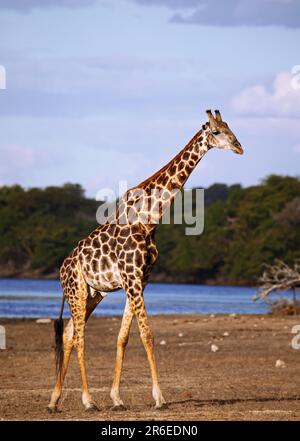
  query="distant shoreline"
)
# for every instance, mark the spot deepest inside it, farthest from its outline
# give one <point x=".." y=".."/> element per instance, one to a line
<point x="184" y="315"/>
<point x="155" y="278"/>
<point x="42" y="298"/>
<point x="243" y="230"/>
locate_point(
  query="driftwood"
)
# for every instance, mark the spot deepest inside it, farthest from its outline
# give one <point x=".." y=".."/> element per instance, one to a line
<point x="279" y="277"/>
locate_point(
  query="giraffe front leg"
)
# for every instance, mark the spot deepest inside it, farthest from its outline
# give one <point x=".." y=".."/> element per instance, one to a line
<point x="121" y="346"/>
<point x="137" y="304"/>
<point x="67" y="348"/>
<point x="148" y="342"/>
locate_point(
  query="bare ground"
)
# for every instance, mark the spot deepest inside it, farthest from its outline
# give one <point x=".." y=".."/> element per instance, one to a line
<point x="238" y="382"/>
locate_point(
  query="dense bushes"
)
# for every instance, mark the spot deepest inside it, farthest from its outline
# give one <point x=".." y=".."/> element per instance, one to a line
<point x="244" y="227"/>
<point x="39" y="227"/>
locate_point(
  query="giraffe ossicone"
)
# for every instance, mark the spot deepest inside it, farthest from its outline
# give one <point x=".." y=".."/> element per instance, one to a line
<point x="121" y="255"/>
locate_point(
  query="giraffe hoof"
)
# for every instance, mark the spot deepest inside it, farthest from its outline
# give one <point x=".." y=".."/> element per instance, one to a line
<point x="118" y="407"/>
<point x="53" y="409"/>
<point x="92" y="408"/>
<point x="162" y="406"/>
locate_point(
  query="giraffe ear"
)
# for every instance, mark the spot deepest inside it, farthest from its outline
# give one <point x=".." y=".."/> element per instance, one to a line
<point x="218" y="116"/>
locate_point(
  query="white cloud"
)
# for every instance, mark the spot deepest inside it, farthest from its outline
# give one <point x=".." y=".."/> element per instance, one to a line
<point x="282" y="101"/>
<point x="232" y="12"/>
<point x="85" y="85"/>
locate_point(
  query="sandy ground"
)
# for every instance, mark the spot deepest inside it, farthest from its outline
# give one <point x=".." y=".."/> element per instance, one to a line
<point x="238" y="382"/>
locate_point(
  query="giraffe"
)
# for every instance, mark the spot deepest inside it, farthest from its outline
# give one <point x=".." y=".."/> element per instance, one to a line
<point x="121" y="255"/>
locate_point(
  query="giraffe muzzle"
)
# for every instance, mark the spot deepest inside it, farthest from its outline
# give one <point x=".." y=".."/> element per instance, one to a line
<point x="238" y="148"/>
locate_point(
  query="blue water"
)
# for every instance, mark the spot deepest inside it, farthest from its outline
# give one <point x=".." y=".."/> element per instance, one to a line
<point x="42" y="298"/>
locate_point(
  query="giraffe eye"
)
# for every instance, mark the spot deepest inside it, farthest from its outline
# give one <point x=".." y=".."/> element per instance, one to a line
<point x="215" y="132"/>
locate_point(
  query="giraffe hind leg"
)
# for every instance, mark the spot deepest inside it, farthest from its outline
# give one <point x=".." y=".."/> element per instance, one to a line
<point x="66" y="351"/>
<point x="68" y="344"/>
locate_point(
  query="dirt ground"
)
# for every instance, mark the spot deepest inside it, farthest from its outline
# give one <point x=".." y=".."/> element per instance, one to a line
<point x="238" y="382"/>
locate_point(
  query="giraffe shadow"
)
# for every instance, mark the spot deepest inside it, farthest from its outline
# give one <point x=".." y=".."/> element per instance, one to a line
<point x="230" y="401"/>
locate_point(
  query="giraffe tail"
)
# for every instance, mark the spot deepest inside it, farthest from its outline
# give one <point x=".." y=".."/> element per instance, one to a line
<point x="59" y="330"/>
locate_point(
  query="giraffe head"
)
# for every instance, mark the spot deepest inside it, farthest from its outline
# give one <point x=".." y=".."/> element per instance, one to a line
<point x="220" y="135"/>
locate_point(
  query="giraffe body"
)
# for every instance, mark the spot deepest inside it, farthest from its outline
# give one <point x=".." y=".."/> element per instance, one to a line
<point x="121" y="255"/>
<point x="106" y="254"/>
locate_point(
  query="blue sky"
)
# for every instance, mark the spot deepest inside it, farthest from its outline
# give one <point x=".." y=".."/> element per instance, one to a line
<point x="105" y="90"/>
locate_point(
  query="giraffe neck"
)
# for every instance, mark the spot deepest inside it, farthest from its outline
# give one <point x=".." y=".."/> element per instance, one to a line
<point x="174" y="175"/>
<point x="153" y="196"/>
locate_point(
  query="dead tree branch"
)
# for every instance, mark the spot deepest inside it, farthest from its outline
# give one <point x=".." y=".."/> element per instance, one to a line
<point x="278" y="277"/>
